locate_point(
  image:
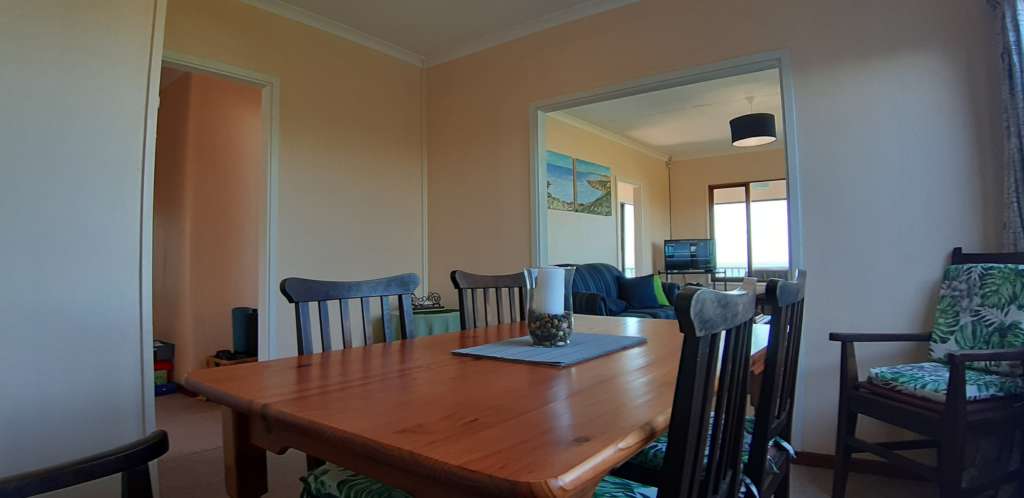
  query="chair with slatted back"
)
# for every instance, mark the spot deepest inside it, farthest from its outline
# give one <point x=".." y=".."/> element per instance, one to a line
<point x="704" y="445"/>
<point x="325" y="479"/>
<point x="768" y="463"/>
<point x="506" y="289"/>
<point x="131" y="461"/>
<point x="303" y="292"/>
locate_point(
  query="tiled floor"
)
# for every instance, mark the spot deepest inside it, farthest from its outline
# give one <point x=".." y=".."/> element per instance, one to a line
<point x="194" y="467"/>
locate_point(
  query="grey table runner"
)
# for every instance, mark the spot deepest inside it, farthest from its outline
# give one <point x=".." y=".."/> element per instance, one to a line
<point x="582" y="348"/>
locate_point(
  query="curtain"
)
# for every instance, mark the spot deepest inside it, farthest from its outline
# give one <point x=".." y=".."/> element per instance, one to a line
<point x="1010" y="14"/>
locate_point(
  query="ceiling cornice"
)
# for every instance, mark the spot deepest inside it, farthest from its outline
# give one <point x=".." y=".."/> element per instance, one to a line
<point x="336" y="28"/>
<point x="610" y="135"/>
<point x="570" y="14"/>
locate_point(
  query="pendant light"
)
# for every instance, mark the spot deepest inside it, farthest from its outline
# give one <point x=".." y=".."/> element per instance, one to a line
<point x="751" y="130"/>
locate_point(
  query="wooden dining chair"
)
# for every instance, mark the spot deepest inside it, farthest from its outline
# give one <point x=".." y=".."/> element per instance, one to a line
<point x="770" y="454"/>
<point x="509" y="288"/>
<point x="704" y="445"/>
<point x="131" y="461"/>
<point x="303" y="292"/>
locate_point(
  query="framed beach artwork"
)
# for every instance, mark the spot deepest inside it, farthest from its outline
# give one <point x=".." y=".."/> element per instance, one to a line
<point x="593" y="184"/>
<point x="560" y="182"/>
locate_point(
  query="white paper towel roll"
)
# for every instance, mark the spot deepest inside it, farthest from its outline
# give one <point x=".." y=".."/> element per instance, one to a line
<point x="549" y="293"/>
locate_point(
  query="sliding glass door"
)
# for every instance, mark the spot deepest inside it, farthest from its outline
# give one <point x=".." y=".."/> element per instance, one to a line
<point x="750" y="225"/>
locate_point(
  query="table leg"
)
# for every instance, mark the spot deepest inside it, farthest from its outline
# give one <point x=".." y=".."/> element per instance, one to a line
<point x="245" y="465"/>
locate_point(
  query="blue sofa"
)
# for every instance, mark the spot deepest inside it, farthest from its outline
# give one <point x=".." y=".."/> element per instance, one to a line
<point x="595" y="284"/>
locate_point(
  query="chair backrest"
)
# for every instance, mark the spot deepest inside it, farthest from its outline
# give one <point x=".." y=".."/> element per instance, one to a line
<point x="960" y="257"/>
<point x="469" y="285"/>
<point x="302" y="292"/>
<point x="709" y="374"/>
<point x="773" y="416"/>
<point x="131" y="461"/>
<point x="977" y="308"/>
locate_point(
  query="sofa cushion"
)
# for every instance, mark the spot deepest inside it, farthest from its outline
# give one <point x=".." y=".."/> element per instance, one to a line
<point x="664" y="312"/>
<point x="615" y="305"/>
<point x="931" y="380"/>
<point x="639" y="292"/>
<point x="981" y="306"/>
<point x="659" y="292"/>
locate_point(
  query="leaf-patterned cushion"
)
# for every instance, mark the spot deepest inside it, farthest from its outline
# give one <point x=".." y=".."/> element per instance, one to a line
<point x="930" y="381"/>
<point x="332" y="481"/>
<point x="981" y="306"/>
<point x="617" y="487"/>
<point x="652" y="456"/>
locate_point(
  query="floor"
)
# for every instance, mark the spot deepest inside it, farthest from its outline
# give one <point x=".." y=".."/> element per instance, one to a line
<point x="194" y="466"/>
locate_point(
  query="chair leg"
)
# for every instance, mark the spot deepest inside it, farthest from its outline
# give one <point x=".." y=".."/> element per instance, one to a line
<point x="951" y="465"/>
<point x="845" y="430"/>
<point x="135" y="483"/>
<point x="783" y="490"/>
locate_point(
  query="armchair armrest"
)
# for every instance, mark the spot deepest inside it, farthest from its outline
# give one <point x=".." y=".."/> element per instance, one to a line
<point x="962" y="357"/>
<point x="589" y="303"/>
<point x="849" y="337"/>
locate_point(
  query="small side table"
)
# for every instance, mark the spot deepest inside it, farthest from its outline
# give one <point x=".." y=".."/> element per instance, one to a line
<point x="213" y="361"/>
<point x="435" y="322"/>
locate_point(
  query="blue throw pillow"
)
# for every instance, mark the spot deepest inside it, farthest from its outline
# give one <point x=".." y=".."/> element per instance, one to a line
<point x="639" y="292"/>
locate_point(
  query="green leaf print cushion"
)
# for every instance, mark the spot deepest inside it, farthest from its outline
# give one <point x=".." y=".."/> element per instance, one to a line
<point x="981" y="306"/>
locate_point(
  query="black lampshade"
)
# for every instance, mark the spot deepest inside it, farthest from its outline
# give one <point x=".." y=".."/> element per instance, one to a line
<point x="751" y="130"/>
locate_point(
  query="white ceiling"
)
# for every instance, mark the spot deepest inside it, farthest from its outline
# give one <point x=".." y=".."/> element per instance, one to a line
<point x="689" y="121"/>
<point x="431" y="32"/>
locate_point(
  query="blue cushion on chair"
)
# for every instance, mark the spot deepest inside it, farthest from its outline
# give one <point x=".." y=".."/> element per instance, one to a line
<point x="332" y="481"/>
<point x="639" y="292"/>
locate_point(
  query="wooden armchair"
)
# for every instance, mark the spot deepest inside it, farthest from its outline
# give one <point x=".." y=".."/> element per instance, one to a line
<point x="959" y="394"/>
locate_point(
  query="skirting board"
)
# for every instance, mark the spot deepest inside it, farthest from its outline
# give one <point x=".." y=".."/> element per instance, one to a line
<point x="857" y="465"/>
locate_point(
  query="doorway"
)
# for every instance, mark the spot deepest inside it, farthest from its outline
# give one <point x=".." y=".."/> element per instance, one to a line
<point x="744" y="80"/>
<point x="629" y="227"/>
<point x="213" y="231"/>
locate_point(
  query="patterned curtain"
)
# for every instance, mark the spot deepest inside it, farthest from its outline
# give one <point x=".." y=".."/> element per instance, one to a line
<point x="1010" y="14"/>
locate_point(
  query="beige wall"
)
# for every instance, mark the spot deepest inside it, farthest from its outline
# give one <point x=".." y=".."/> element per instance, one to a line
<point x="627" y="164"/>
<point x="209" y="205"/>
<point x="887" y="94"/>
<point x="72" y="118"/>
<point x="350" y="189"/>
<point x="691" y="178"/>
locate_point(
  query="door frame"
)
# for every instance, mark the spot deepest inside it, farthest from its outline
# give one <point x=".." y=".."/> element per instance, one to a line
<point x="779" y="60"/>
<point x="270" y="110"/>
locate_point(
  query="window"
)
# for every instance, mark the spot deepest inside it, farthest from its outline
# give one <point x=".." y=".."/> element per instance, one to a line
<point x="750" y="225"/>
<point x="628" y="229"/>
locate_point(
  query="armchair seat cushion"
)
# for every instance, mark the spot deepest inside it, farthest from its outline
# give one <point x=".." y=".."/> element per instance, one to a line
<point x="779" y="451"/>
<point x="931" y="381"/>
<point x="332" y="481"/>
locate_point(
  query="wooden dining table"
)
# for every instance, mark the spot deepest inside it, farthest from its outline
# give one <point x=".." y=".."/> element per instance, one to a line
<point x="414" y="416"/>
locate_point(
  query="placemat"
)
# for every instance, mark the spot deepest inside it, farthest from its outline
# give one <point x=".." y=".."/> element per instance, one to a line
<point x="582" y="348"/>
